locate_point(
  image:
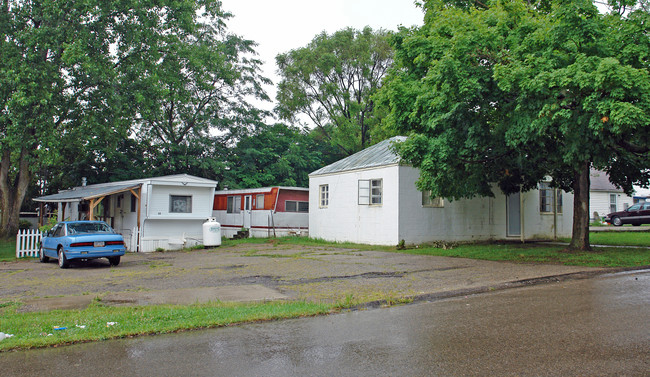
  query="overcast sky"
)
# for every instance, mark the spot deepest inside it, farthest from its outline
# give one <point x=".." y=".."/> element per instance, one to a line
<point x="282" y="25"/>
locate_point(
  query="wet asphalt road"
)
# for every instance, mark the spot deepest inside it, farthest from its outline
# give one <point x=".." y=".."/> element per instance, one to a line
<point x="591" y="327"/>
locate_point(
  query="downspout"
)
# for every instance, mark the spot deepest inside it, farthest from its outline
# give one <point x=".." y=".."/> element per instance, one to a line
<point x="146" y="217"/>
<point x="555" y="214"/>
<point x="521" y="216"/>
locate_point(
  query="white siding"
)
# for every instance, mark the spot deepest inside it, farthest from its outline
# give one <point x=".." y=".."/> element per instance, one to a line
<point x="538" y="225"/>
<point x="344" y="219"/>
<point x="263" y="223"/>
<point x="159" y="199"/>
<point x="402" y="216"/>
<point x="458" y="220"/>
<point x="171" y="234"/>
<point x="473" y="219"/>
<point x="599" y="202"/>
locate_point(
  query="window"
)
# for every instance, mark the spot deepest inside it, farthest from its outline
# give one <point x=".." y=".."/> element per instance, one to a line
<point x="376" y="191"/>
<point x="234" y="204"/>
<point x="428" y="201"/>
<point x="259" y="201"/>
<point x="612" y="203"/>
<point x="57" y="231"/>
<point x="547" y="195"/>
<point x="118" y="203"/>
<point x="90" y="227"/>
<point x="636" y="207"/>
<point x="134" y="203"/>
<point x="295" y="206"/>
<point x="370" y="191"/>
<point x="324" y="194"/>
<point x="107" y="206"/>
<point x="180" y="204"/>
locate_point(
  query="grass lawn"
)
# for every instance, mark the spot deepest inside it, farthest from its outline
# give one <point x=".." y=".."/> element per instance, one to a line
<point x="99" y="322"/>
<point x="620" y="238"/>
<point x="511" y="251"/>
<point x="7" y="250"/>
<point x="515" y="252"/>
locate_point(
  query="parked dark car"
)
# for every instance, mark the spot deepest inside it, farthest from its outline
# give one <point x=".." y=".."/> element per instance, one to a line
<point x="69" y="240"/>
<point x="637" y="214"/>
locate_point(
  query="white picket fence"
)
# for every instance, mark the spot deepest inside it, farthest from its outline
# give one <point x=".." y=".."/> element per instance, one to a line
<point x="27" y="241"/>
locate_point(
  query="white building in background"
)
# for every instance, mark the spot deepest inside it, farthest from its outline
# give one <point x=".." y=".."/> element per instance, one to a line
<point x="161" y="212"/>
<point x="604" y="197"/>
<point x="371" y="198"/>
<point x="641" y="194"/>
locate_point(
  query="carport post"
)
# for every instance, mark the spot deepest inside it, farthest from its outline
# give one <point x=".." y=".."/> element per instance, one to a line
<point x="40" y="214"/>
<point x="93" y="203"/>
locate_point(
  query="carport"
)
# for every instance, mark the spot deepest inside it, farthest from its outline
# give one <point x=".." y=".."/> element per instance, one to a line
<point x="91" y="194"/>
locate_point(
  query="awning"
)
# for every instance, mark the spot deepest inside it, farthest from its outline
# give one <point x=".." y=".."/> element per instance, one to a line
<point x="86" y="193"/>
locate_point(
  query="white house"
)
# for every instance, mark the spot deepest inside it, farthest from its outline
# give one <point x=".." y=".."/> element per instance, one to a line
<point x="263" y="212"/>
<point x="370" y="197"/>
<point x="161" y="212"/>
<point x="641" y="194"/>
<point x="604" y="197"/>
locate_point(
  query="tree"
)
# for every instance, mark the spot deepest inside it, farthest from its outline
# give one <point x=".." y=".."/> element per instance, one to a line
<point x="508" y="93"/>
<point x="199" y="84"/>
<point x="55" y="77"/>
<point x="332" y="80"/>
<point x="78" y="75"/>
<point x="275" y="155"/>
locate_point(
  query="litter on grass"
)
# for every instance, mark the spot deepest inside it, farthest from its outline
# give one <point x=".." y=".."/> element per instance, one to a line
<point x="4" y="336"/>
<point x="60" y="328"/>
<point x="81" y="326"/>
<point x="109" y="324"/>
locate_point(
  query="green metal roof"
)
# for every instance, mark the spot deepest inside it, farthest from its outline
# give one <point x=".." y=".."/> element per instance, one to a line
<point x="380" y="154"/>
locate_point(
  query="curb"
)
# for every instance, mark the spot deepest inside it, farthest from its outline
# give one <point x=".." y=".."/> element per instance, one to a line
<point x="437" y="296"/>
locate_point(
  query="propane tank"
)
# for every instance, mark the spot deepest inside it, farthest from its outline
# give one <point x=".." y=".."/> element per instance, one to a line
<point x="211" y="233"/>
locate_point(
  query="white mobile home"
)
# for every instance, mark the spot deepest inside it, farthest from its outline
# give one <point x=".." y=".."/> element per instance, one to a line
<point x="370" y="197"/>
<point x="161" y="212"/>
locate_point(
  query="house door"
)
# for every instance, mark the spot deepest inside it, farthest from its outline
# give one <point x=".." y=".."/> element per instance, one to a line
<point x="247" y="211"/>
<point x="513" y="215"/>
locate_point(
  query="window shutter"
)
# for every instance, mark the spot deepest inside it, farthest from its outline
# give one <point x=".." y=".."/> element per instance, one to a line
<point x="364" y="192"/>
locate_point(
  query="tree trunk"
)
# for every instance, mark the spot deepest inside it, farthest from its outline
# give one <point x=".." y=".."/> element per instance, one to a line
<point x="12" y="192"/>
<point x="580" y="234"/>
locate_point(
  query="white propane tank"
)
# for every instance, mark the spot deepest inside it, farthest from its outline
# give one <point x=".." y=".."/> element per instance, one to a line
<point x="211" y="233"/>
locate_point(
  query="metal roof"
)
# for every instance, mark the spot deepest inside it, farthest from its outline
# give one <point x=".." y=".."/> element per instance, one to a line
<point x="108" y="188"/>
<point x="86" y="192"/>
<point x="258" y="190"/>
<point x="380" y="154"/>
<point x="599" y="181"/>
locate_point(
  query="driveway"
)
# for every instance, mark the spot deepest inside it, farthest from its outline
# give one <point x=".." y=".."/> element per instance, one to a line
<point x="250" y="272"/>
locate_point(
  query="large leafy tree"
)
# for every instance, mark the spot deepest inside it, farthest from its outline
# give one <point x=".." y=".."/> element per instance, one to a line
<point x="331" y="81"/>
<point x="75" y="75"/>
<point x="274" y="155"/>
<point x="199" y="83"/>
<point x="507" y="92"/>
